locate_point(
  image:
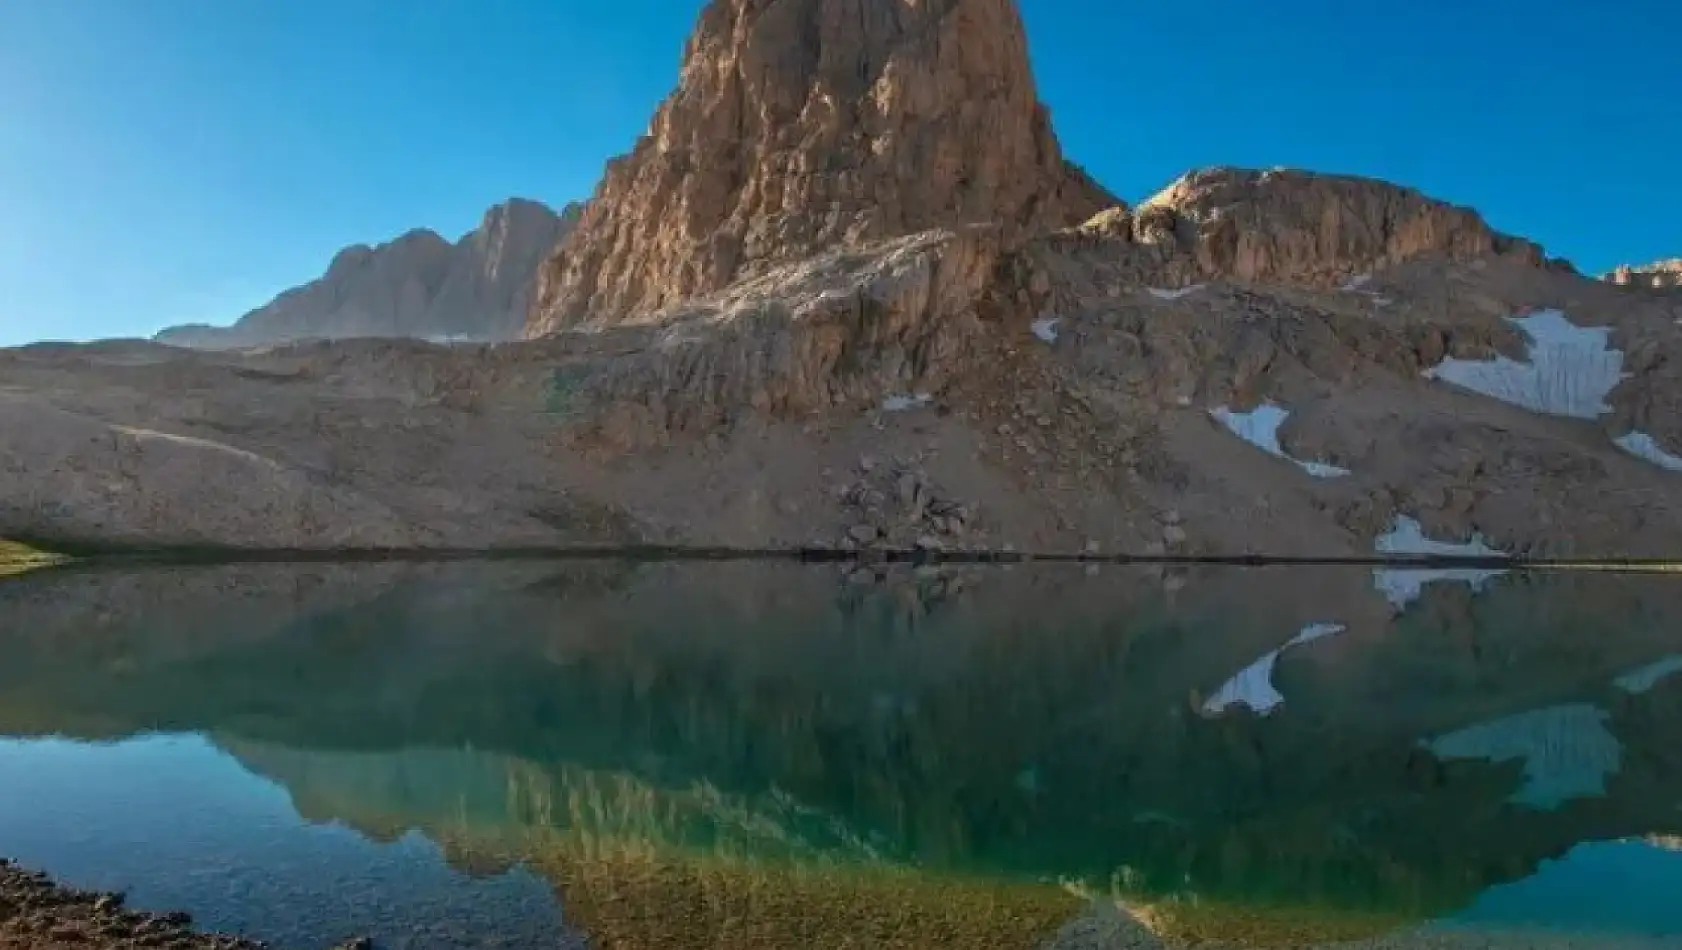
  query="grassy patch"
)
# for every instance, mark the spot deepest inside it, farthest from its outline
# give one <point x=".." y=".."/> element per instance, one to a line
<point x="15" y="558"/>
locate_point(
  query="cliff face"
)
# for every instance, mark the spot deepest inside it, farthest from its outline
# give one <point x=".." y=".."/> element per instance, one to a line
<point x="419" y="285"/>
<point x="802" y="124"/>
<point x="1288" y="226"/>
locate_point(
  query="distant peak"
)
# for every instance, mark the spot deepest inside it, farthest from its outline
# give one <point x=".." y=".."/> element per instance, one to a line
<point x="1660" y="275"/>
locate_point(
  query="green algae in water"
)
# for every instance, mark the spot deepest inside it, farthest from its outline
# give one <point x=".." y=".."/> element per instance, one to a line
<point x="16" y="558"/>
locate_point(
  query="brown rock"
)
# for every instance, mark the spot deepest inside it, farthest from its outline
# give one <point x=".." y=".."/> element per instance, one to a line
<point x="804" y="124"/>
<point x="1291" y="226"/>
<point x="845" y="327"/>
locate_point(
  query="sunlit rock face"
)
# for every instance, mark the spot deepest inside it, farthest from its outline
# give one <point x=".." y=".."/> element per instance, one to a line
<point x="804" y="125"/>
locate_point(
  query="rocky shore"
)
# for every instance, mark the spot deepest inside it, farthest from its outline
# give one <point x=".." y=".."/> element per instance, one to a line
<point x="38" y="914"/>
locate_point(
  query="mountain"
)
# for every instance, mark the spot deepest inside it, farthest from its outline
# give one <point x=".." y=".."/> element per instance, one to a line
<point x="849" y="293"/>
<point x="418" y="285"/>
<point x="800" y="125"/>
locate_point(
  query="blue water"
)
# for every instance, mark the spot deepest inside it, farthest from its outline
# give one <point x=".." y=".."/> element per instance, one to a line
<point x="178" y="823"/>
<point x="435" y="755"/>
<point x="1613" y="887"/>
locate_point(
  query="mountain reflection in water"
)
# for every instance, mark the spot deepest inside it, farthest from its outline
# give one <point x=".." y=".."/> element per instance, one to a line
<point x="776" y="755"/>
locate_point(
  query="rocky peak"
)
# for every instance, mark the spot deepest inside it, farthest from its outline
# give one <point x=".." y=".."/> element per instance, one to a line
<point x="1659" y="275"/>
<point x="797" y="125"/>
<point x="416" y="285"/>
<point x="1292" y="226"/>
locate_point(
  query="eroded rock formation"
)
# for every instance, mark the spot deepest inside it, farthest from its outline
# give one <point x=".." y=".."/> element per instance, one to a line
<point x="1659" y="275"/>
<point x="1296" y="227"/>
<point x="419" y="285"/>
<point x="804" y="124"/>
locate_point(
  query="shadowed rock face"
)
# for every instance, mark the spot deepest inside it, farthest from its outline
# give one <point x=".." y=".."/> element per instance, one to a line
<point x="418" y="285"/>
<point x="806" y="123"/>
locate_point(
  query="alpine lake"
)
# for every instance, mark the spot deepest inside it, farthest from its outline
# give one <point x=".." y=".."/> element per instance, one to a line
<point x="770" y="754"/>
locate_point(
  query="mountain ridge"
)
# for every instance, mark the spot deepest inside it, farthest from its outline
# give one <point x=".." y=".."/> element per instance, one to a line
<point x="418" y="284"/>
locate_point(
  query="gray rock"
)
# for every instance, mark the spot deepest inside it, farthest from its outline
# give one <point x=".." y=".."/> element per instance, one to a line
<point x="909" y="487"/>
<point x="863" y="533"/>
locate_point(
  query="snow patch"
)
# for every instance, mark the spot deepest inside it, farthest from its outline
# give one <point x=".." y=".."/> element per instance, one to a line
<point x="1570" y="370"/>
<point x="1260" y="428"/>
<point x="1404" y="585"/>
<point x="1567" y="750"/>
<point x="1649" y="676"/>
<point x="1643" y="446"/>
<point x="1046" y="328"/>
<point x="1253" y="685"/>
<point x="904" y="403"/>
<point x="1163" y="293"/>
<point x="1357" y="283"/>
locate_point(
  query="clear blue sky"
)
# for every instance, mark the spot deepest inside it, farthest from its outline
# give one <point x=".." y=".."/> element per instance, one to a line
<point x="166" y="161"/>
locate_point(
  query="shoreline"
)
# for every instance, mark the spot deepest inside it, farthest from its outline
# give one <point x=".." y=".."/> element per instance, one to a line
<point x="40" y="913"/>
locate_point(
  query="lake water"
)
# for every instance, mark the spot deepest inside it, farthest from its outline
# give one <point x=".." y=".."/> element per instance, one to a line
<point x="669" y="755"/>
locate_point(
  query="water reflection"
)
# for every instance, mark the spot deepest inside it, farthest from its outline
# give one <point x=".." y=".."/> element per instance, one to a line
<point x="771" y="755"/>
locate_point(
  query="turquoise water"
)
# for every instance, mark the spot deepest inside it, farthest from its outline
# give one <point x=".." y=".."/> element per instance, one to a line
<point x="615" y="754"/>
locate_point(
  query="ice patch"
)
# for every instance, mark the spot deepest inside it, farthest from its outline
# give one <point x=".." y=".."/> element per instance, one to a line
<point x="1403" y="585"/>
<point x="1570" y="369"/>
<point x="1162" y="293"/>
<point x="1260" y="428"/>
<point x="1642" y="446"/>
<point x="1253" y="685"/>
<point x="1649" y="676"/>
<point x="1567" y="751"/>
<point x="1046" y="328"/>
<point x="905" y="403"/>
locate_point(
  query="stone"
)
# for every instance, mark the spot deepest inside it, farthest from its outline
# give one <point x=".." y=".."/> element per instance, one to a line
<point x="804" y="125"/>
<point x="909" y="488"/>
<point x="863" y="533"/>
<point x="1303" y="227"/>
